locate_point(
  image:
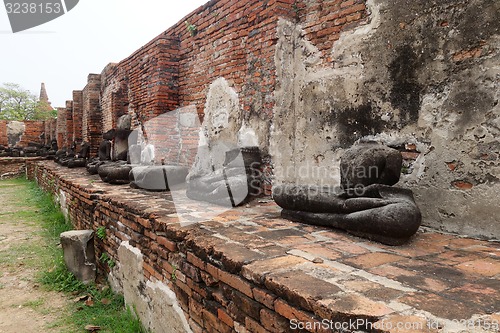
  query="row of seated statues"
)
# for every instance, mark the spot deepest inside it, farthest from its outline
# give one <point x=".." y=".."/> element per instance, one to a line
<point x="123" y="159"/>
<point x="365" y="204"/>
<point x="33" y="149"/>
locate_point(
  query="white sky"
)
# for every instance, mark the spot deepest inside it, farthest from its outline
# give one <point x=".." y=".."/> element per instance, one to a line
<point x="64" y="51"/>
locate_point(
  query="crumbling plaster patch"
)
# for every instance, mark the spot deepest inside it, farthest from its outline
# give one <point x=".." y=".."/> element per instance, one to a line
<point x="224" y="128"/>
<point x="417" y="73"/>
<point x="62" y="199"/>
<point x="153" y="302"/>
<point x="15" y="131"/>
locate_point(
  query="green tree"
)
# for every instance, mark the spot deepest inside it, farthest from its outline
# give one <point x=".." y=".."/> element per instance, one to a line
<point x="17" y="103"/>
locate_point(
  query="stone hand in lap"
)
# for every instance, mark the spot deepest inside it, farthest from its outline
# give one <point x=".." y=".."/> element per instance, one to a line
<point x="80" y="160"/>
<point x="366" y="205"/>
<point x="115" y="172"/>
<point x="157" y="177"/>
<point x="105" y="146"/>
<point x="232" y="184"/>
<point x="68" y="154"/>
<point x="104" y="153"/>
<point x="121" y="138"/>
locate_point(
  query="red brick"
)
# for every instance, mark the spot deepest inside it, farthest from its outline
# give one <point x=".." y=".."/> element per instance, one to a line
<point x="462" y="185"/>
<point x="236" y="282"/>
<point x="191" y="258"/>
<point x="168" y="244"/>
<point x="264" y="297"/>
<point x="196" y="311"/>
<point x="254" y="326"/>
<point x="375" y="259"/>
<point x="290" y="312"/>
<point x="145" y="223"/>
<point x="225" y="318"/>
<point x="481" y="267"/>
<point x="183" y="287"/>
<point x="274" y="322"/>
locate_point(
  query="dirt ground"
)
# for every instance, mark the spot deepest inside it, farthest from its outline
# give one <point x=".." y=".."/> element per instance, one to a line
<point x="24" y="306"/>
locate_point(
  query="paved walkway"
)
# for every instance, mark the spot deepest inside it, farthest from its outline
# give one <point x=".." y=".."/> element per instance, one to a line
<point x="24" y="306"/>
<point x="436" y="283"/>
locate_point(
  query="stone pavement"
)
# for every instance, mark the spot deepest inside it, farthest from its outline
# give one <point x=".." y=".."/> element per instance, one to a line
<point x="436" y="283"/>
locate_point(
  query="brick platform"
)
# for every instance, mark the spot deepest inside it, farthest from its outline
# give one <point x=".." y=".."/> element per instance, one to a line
<point x="249" y="268"/>
<point x="11" y="167"/>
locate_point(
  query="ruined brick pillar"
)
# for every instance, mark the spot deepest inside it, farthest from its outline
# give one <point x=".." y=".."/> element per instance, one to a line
<point x="69" y="123"/>
<point x="165" y="81"/>
<point x="46" y="126"/>
<point x="61" y="128"/>
<point x="114" y="94"/>
<point x="77" y="114"/>
<point x="50" y="130"/>
<point x="33" y="131"/>
<point x="153" y="78"/>
<point x="53" y="129"/>
<point x="3" y="133"/>
<point x="92" y="117"/>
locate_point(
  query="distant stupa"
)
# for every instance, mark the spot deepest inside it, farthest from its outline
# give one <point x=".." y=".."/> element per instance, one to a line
<point x="43" y="102"/>
<point x="43" y="94"/>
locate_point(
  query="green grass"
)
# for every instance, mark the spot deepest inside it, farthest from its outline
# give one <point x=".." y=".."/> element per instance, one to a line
<point x="35" y="304"/>
<point x="111" y="314"/>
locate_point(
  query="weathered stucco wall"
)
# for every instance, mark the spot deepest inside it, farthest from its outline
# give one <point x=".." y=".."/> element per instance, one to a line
<point x="415" y="74"/>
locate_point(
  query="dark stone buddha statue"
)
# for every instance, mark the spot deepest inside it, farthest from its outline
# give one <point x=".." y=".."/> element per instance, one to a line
<point x="234" y="183"/>
<point x="117" y="170"/>
<point x="366" y="204"/>
<point x="104" y="153"/>
<point x="157" y="177"/>
<point x="80" y="159"/>
<point x="51" y="153"/>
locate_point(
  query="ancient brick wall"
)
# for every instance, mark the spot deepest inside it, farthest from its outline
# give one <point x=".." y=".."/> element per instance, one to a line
<point x="92" y="116"/>
<point x="236" y="41"/>
<point x="153" y="78"/>
<point x="232" y="40"/>
<point x="144" y="85"/>
<point x="29" y="131"/>
<point x="32" y="133"/>
<point x="324" y="21"/>
<point x="114" y="95"/>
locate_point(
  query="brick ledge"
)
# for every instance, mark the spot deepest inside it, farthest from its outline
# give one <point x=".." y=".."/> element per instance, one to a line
<point x="247" y="266"/>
